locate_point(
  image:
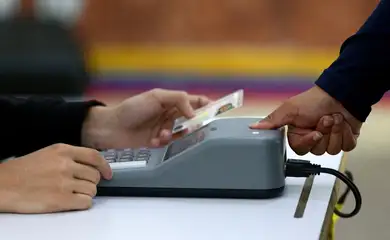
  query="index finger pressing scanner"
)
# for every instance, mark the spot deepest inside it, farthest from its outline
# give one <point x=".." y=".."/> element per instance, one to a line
<point x="224" y="159"/>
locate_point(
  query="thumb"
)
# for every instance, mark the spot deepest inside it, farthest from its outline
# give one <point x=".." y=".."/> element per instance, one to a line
<point x="283" y="115"/>
<point x="302" y="143"/>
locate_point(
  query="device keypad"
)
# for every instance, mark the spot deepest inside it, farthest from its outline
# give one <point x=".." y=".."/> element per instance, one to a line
<point x="127" y="155"/>
<point x="110" y="156"/>
<point x="143" y="155"/>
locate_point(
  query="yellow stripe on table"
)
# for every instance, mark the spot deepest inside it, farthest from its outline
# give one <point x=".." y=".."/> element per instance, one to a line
<point x="268" y="61"/>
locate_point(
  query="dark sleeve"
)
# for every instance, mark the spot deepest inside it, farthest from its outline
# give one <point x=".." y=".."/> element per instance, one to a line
<point x="33" y="123"/>
<point x="360" y="76"/>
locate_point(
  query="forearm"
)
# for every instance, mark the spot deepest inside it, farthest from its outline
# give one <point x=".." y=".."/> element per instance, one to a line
<point x="360" y="76"/>
<point x="34" y="123"/>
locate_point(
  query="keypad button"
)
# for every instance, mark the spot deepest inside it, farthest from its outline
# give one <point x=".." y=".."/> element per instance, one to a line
<point x="144" y="150"/>
<point x="108" y="154"/>
<point x="128" y="151"/>
<point x="143" y="154"/>
<point x="110" y="159"/>
<point x="143" y="157"/>
<point x="127" y="155"/>
<point x="126" y="158"/>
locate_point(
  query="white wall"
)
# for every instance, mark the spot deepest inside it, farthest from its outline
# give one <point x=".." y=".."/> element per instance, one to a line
<point x="8" y="8"/>
<point x="65" y="11"/>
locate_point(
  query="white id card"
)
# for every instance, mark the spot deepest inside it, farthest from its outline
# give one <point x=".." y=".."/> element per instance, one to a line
<point x="205" y="114"/>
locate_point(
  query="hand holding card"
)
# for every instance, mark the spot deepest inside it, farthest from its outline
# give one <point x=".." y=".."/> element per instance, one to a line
<point x="206" y="114"/>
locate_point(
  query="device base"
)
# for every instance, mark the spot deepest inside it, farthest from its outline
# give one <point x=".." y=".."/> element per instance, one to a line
<point x="190" y="193"/>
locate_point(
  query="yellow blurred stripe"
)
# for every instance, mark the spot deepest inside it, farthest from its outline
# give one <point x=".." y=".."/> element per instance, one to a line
<point x="267" y="61"/>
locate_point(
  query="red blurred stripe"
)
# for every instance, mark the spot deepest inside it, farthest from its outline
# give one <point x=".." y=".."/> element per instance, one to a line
<point x="27" y="8"/>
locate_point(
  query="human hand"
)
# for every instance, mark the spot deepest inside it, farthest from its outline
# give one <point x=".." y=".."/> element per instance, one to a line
<point x="316" y="122"/>
<point x="328" y="136"/>
<point x="145" y="120"/>
<point x="56" y="178"/>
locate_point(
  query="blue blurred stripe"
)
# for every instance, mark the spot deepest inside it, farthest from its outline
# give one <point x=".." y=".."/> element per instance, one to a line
<point x="176" y="81"/>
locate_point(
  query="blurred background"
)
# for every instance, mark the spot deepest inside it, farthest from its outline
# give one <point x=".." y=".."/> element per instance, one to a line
<point x="272" y="49"/>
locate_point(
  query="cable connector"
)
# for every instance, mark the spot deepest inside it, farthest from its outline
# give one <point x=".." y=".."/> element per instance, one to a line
<point x="304" y="168"/>
<point x="301" y="168"/>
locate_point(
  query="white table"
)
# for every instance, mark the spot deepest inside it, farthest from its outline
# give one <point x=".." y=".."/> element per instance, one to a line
<point x="187" y="219"/>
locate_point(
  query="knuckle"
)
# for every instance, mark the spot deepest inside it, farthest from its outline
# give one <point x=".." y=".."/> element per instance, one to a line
<point x="288" y="117"/>
<point x="64" y="166"/>
<point x="202" y="98"/>
<point x="268" y="117"/>
<point x="60" y="147"/>
<point x="97" y="177"/>
<point x="64" y="186"/>
<point x="333" y="152"/>
<point x="94" y="154"/>
<point x="93" y="190"/>
<point x="155" y="91"/>
<point x="183" y="95"/>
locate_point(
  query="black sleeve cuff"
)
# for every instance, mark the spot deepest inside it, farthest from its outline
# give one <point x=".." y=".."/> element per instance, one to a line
<point x="349" y="96"/>
<point x="73" y="115"/>
<point x="51" y="121"/>
<point x="358" y="79"/>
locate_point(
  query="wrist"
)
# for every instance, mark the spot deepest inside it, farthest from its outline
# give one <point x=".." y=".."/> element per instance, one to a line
<point x="6" y="200"/>
<point x="96" y="127"/>
<point x="8" y="197"/>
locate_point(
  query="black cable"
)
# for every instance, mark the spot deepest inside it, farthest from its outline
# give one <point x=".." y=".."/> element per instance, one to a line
<point x="343" y="196"/>
<point x="304" y="168"/>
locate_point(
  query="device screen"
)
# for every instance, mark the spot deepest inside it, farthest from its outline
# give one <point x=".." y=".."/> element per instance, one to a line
<point x="185" y="142"/>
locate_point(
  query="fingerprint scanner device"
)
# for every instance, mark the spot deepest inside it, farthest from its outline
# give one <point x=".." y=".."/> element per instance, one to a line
<point x="224" y="159"/>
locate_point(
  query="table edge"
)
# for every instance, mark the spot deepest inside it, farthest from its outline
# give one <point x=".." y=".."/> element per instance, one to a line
<point x="328" y="224"/>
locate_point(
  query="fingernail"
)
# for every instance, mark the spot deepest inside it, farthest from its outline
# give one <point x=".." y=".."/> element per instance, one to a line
<point x="337" y="119"/>
<point x="259" y="124"/>
<point x="165" y="133"/>
<point x="327" y="122"/>
<point x="155" y="142"/>
<point x="109" y="176"/>
<point x="317" y="136"/>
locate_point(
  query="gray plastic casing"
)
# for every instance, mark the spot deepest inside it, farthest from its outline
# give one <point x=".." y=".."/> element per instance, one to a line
<point x="231" y="156"/>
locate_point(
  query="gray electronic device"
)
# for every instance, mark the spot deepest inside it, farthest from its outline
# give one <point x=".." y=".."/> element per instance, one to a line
<point x="224" y="159"/>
